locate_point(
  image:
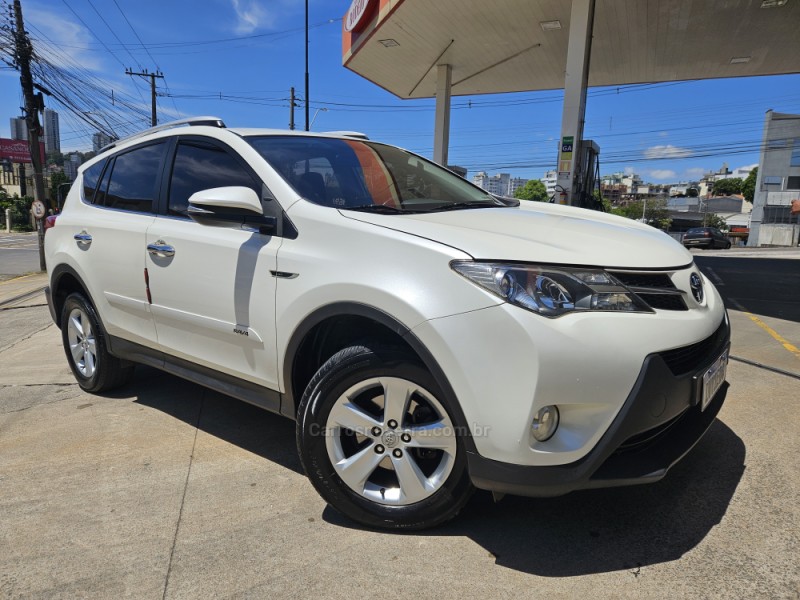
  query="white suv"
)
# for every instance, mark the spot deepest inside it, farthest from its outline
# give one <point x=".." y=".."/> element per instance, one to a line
<point x="427" y="337"/>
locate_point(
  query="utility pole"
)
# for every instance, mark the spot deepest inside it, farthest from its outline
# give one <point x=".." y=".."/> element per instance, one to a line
<point x="24" y="52"/>
<point x="306" y="102"/>
<point x="153" y="76"/>
<point x="291" y="108"/>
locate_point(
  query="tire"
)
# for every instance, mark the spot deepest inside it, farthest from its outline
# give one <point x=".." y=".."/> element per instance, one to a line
<point x="728" y="246"/>
<point x="343" y="423"/>
<point x="85" y="346"/>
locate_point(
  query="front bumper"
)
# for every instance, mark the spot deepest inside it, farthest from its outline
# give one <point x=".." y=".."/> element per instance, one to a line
<point x="659" y="423"/>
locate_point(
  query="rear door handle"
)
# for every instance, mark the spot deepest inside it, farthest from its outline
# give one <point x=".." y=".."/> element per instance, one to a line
<point x="161" y="249"/>
<point x="82" y="238"/>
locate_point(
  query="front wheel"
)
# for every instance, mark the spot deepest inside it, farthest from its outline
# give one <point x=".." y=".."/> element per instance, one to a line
<point x="378" y="442"/>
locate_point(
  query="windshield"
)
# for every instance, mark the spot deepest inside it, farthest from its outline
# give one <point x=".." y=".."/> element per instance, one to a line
<point x="359" y="175"/>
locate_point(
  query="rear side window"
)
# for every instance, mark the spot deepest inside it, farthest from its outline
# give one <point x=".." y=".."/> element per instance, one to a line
<point x="90" y="177"/>
<point x="200" y="166"/>
<point x="134" y="179"/>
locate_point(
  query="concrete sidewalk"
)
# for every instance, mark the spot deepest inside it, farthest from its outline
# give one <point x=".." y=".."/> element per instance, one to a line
<point x="23" y="291"/>
<point x="166" y="489"/>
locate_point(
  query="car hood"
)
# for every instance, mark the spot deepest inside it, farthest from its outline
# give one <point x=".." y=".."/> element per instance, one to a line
<point x="541" y="232"/>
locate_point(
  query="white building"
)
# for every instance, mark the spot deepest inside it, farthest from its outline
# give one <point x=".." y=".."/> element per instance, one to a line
<point x="101" y="140"/>
<point x="514" y="184"/>
<point x="52" y="135"/>
<point x="19" y="130"/>
<point x="549" y="180"/>
<point x="777" y="184"/>
<point x="494" y="184"/>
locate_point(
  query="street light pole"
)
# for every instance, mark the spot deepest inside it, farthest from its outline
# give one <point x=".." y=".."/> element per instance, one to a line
<point x="315" y="115"/>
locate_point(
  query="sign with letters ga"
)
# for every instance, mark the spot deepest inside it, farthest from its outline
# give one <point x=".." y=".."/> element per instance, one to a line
<point x="566" y="145"/>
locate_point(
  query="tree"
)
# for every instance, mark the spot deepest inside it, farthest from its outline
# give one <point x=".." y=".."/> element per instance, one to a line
<point x="533" y="190"/>
<point x="655" y="212"/>
<point x="749" y="185"/>
<point x="56" y="179"/>
<point x="728" y="187"/>
<point x="713" y="220"/>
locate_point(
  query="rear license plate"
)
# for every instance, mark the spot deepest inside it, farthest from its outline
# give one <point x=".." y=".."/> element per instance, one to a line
<point x="713" y="379"/>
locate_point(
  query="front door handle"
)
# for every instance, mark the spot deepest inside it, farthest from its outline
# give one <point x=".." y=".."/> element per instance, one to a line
<point x="83" y="238"/>
<point x="161" y="249"/>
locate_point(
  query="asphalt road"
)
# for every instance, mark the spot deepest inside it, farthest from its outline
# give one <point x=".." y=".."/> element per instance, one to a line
<point x="19" y="254"/>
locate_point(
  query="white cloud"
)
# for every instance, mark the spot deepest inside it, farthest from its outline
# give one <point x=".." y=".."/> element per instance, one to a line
<point x="251" y="16"/>
<point x="663" y="174"/>
<point x="747" y="167"/>
<point x="663" y="133"/>
<point x="629" y="170"/>
<point x="68" y="37"/>
<point x="668" y="151"/>
<point x="695" y="172"/>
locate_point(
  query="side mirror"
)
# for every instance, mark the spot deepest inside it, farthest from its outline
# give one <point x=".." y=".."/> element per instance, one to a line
<point x="232" y="206"/>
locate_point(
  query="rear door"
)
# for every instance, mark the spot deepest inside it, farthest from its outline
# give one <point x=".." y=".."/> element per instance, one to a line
<point x="213" y="296"/>
<point x="112" y="235"/>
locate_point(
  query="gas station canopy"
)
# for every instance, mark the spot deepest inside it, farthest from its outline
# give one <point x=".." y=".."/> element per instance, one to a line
<point x="521" y="45"/>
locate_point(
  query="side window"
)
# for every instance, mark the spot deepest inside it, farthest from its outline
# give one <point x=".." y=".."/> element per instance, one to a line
<point x="90" y="177"/>
<point x="134" y="179"/>
<point x="102" y="189"/>
<point x="200" y="166"/>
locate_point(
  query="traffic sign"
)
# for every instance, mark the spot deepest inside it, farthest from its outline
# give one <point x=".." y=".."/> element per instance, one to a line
<point x="39" y="210"/>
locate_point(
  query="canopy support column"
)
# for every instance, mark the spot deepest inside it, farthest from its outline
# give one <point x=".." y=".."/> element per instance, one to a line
<point x="441" y="135"/>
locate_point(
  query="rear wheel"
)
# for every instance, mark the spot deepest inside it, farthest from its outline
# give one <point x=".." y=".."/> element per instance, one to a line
<point x="84" y="344"/>
<point x="378" y="443"/>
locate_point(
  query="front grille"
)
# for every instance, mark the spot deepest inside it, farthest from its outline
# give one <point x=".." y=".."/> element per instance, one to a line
<point x="664" y="301"/>
<point x="686" y="359"/>
<point x="650" y="280"/>
<point x="650" y="287"/>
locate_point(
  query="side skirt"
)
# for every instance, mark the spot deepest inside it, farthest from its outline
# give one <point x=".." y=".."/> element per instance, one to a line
<point x="223" y="383"/>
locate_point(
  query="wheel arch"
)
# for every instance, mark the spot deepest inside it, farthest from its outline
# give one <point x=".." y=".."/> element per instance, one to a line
<point x="65" y="280"/>
<point x="315" y="340"/>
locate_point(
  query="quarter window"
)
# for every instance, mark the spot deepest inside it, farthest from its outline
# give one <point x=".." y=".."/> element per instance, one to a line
<point x="134" y="179"/>
<point x="199" y="166"/>
<point x="90" y="177"/>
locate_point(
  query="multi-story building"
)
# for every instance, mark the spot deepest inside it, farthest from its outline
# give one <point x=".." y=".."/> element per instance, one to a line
<point x="777" y="184"/>
<point x="550" y="180"/>
<point x="494" y="184"/>
<point x="19" y="129"/>
<point x="101" y="140"/>
<point x="52" y="135"/>
<point x="71" y="164"/>
<point x="514" y="184"/>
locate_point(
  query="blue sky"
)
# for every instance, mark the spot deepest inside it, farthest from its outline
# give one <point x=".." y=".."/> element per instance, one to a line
<point x="665" y="132"/>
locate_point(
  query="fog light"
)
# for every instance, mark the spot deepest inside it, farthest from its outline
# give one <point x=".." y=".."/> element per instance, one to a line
<point x="545" y="423"/>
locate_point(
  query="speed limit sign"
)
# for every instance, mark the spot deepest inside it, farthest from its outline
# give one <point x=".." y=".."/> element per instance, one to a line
<point x="38" y="209"/>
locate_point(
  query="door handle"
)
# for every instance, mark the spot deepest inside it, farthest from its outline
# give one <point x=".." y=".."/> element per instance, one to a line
<point x="82" y="238"/>
<point x="161" y="249"/>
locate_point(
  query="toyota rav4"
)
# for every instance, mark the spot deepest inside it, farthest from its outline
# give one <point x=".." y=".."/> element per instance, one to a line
<point x="427" y="337"/>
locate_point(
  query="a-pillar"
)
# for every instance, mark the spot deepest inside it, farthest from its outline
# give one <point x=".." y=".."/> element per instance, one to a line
<point x="441" y="133"/>
<point x="576" y="79"/>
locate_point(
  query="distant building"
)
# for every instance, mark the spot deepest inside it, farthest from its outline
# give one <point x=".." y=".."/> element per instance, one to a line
<point x="19" y="129"/>
<point x="494" y="184"/>
<point x="514" y="184"/>
<point x="71" y="165"/>
<point x="549" y="180"/>
<point x="101" y="140"/>
<point x="52" y="135"/>
<point x="777" y="184"/>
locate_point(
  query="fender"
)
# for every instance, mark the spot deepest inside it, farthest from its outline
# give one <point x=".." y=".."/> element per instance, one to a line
<point x="289" y="400"/>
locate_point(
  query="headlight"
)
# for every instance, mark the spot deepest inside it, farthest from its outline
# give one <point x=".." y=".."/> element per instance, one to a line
<point x="552" y="291"/>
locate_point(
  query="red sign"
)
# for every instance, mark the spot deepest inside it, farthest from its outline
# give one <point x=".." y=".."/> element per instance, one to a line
<point x="17" y="151"/>
<point x="358" y="15"/>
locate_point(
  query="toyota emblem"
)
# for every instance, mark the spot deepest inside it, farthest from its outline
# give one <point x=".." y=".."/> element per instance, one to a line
<point x="697" y="287"/>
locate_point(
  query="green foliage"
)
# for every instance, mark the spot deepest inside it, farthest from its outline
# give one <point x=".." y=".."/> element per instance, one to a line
<point x="655" y="212"/>
<point x="727" y="187"/>
<point x="56" y="179"/>
<point x="749" y="185"/>
<point x="533" y="190"/>
<point x="712" y="220"/>
<point x="20" y="210"/>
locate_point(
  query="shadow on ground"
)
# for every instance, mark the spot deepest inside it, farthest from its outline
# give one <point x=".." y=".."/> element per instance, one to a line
<point x="581" y="533"/>
<point x="763" y="286"/>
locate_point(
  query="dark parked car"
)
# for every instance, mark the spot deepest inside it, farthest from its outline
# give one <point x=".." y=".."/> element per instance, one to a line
<point x="705" y="237"/>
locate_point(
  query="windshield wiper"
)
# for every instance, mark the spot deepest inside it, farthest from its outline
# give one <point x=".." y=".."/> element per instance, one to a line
<point x="378" y="208"/>
<point x="463" y="205"/>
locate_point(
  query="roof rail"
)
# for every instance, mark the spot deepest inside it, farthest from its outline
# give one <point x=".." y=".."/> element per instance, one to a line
<point x="352" y="134"/>
<point x="210" y="121"/>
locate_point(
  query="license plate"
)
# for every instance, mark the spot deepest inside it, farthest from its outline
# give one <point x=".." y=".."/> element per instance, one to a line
<point x="713" y="379"/>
